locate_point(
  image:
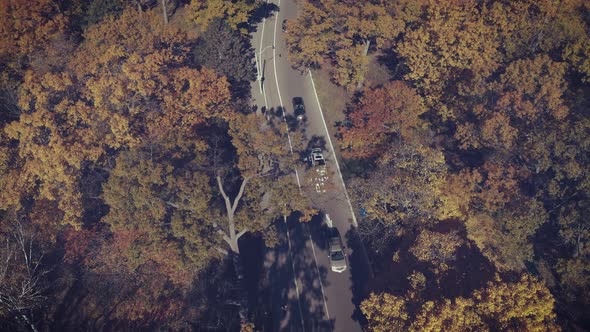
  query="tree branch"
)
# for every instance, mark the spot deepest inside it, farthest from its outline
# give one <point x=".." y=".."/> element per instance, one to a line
<point x="228" y="205"/>
<point x="223" y="251"/>
<point x="242" y="232"/>
<point x="240" y="193"/>
<point x="222" y="233"/>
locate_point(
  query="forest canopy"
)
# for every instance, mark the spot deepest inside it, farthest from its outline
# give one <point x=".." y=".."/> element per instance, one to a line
<point x="131" y="163"/>
<point x="474" y="152"/>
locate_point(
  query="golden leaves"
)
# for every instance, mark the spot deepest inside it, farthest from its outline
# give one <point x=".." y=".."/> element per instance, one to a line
<point x="524" y="305"/>
<point x="385" y="312"/>
<point x="452" y="44"/>
<point x="436" y="248"/>
<point x="236" y="13"/>
<point x="341" y="32"/>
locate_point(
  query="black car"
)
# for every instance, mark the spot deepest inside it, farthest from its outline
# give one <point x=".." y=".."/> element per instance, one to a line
<point x="299" y="108"/>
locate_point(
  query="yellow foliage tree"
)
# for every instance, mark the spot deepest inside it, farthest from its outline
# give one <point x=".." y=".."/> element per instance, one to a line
<point x="127" y="82"/>
<point x="452" y="45"/>
<point x="235" y="12"/>
<point x="385" y="312"/>
<point x="525" y="305"/>
<point x="342" y="32"/>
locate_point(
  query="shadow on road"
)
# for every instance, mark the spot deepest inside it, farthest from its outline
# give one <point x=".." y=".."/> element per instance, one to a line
<point x="357" y="262"/>
<point x="269" y="279"/>
<point x="360" y="271"/>
<point x="309" y="274"/>
<point x="266" y="10"/>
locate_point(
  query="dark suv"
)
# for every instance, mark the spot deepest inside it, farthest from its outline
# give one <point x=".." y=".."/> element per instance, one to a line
<point x="299" y="108"/>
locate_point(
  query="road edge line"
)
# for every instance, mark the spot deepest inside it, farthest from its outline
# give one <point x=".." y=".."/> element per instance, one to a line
<point x="354" y="221"/>
<point x="294" y="276"/>
<point x="315" y="258"/>
<point x="274" y="64"/>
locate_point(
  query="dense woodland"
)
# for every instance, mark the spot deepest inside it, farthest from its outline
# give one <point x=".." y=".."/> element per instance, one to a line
<point x="477" y="194"/>
<point x="131" y="163"/>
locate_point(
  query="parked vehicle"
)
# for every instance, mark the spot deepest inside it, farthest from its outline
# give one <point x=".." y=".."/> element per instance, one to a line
<point x="320" y="173"/>
<point x="335" y="248"/>
<point x="317" y="157"/>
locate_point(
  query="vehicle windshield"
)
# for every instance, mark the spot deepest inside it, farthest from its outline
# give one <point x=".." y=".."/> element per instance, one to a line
<point x="337" y="255"/>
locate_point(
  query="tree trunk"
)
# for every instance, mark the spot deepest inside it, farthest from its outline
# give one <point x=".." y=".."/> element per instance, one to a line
<point x="164" y="11"/>
<point x="31" y="325"/>
<point x="242" y="294"/>
<point x="231" y="238"/>
<point x="367" y="43"/>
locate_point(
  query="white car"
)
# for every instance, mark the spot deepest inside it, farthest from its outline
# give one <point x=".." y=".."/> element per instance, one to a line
<point x="317" y="158"/>
<point x="335" y="248"/>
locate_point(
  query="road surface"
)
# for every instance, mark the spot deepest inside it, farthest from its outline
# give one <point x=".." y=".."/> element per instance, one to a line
<point x="307" y="295"/>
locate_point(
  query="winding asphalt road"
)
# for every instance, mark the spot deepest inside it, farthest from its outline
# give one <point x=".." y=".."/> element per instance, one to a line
<point x="306" y="294"/>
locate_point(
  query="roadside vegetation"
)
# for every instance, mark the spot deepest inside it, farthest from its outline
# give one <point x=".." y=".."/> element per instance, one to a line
<point x="469" y="167"/>
<point x="131" y="165"/>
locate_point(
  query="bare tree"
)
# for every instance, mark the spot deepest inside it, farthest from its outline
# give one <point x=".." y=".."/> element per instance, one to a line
<point x="22" y="279"/>
<point x="377" y="234"/>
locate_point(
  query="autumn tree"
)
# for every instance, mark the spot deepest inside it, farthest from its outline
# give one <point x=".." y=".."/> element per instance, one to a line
<point x="456" y="193"/>
<point x="153" y="202"/>
<point x="262" y="157"/>
<point x="162" y="228"/>
<point x="285" y="197"/>
<point x="262" y="154"/>
<point x="457" y="314"/>
<point x="361" y="23"/>
<point x="228" y="52"/>
<point x="522" y="305"/>
<point x="402" y="190"/>
<point x="23" y="278"/>
<point x="527" y="27"/>
<point x="453" y="45"/>
<point x="525" y="304"/>
<point x="98" y="9"/>
<point x="26" y="28"/>
<point x="524" y="125"/>
<point x="235" y="12"/>
<point x="436" y="248"/>
<point x="138" y="88"/>
<point x="390" y="111"/>
<point x="524" y="105"/>
<point x="385" y="312"/>
<point x="499" y="218"/>
<point x="505" y="237"/>
<point x="309" y="38"/>
<point x="341" y="32"/>
<point x="575" y="233"/>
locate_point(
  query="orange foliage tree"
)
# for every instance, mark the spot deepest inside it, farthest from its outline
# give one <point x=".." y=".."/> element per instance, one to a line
<point x="128" y="82"/>
<point x="391" y="110"/>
